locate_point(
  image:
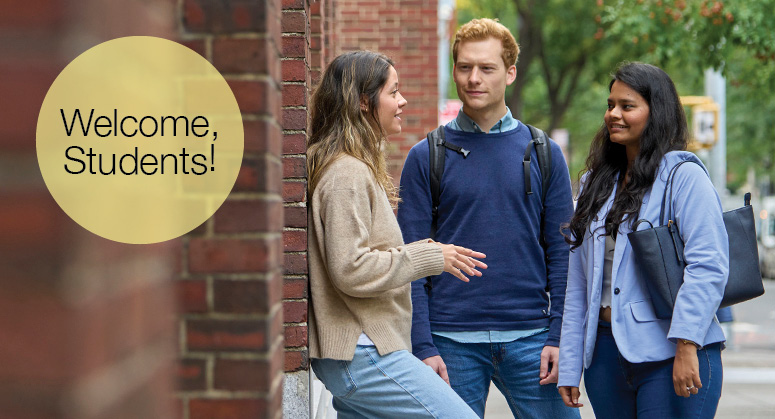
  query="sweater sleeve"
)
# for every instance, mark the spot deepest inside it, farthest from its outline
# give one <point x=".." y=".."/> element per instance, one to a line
<point x="558" y="210"/>
<point x="414" y="217"/>
<point x="355" y="268"/>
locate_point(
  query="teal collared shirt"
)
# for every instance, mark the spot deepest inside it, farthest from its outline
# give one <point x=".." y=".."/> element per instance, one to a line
<point x="464" y="123"/>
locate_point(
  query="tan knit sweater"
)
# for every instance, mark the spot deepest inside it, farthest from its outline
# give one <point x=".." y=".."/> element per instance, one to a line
<point x="360" y="269"/>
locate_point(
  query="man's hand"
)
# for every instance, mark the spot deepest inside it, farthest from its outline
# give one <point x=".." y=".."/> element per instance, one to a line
<point x="438" y="366"/>
<point x="549" y="357"/>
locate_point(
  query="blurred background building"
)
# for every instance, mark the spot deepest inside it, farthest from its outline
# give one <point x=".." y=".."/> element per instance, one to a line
<point x="87" y="327"/>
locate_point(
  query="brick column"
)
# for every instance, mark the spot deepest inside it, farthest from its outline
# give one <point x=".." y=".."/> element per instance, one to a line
<point x="85" y="323"/>
<point x="296" y="80"/>
<point x="231" y="343"/>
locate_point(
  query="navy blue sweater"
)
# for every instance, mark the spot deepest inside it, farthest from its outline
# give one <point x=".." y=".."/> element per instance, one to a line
<point x="483" y="206"/>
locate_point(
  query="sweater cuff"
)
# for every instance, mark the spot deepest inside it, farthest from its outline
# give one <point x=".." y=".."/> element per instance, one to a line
<point x="426" y="353"/>
<point x="555" y="328"/>
<point x="427" y="258"/>
<point x="552" y="341"/>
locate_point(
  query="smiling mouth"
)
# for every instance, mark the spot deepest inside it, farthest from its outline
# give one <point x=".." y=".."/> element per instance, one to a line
<point x="617" y="126"/>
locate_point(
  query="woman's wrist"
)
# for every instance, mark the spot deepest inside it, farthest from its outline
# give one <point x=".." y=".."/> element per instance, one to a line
<point x="688" y="344"/>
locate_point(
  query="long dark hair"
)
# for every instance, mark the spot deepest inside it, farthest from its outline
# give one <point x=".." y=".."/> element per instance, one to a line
<point x="338" y="126"/>
<point x="665" y="131"/>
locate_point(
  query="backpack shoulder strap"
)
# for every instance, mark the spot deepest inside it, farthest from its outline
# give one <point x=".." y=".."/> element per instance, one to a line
<point x="544" y="154"/>
<point x="437" y="155"/>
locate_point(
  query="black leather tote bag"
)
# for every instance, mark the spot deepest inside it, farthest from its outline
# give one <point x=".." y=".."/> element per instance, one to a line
<point x="659" y="254"/>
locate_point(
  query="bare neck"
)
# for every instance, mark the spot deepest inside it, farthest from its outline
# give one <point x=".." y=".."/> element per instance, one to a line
<point x="632" y="152"/>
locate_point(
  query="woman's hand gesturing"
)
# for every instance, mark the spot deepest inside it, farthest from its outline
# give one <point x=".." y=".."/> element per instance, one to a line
<point x="460" y="261"/>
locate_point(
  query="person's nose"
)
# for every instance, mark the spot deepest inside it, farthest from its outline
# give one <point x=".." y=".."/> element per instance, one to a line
<point x="615" y="113"/>
<point x="475" y="76"/>
<point x="401" y="100"/>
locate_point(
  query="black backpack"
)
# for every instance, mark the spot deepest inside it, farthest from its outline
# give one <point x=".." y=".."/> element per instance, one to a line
<point x="543" y="152"/>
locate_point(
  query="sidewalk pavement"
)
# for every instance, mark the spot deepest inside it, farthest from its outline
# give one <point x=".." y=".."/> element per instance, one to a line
<point x="748" y="392"/>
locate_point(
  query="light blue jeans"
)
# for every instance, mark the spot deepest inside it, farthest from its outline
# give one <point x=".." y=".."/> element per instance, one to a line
<point x="396" y="385"/>
<point x="514" y="367"/>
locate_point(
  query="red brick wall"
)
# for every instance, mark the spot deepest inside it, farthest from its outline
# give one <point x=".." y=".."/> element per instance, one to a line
<point x="404" y="30"/>
<point x="223" y="337"/>
<point x="304" y="52"/>
<point x="231" y="281"/>
<point x="85" y="323"/>
<point x="296" y="80"/>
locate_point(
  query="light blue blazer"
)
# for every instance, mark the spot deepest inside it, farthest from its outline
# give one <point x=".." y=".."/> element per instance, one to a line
<point x="639" y="335"/>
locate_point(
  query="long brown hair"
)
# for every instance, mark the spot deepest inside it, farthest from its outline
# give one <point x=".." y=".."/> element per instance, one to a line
<point x="339" y="126"/>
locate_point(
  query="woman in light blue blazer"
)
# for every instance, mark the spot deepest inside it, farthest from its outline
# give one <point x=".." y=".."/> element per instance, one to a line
<point x="635" y="365"/>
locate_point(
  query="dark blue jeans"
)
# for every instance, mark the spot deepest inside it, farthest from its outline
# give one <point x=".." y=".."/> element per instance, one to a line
<point x="620" y="389"/>
<point x="514" y="367"/>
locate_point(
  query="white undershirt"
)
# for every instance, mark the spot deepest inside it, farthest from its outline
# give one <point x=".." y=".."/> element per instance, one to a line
<point x="608" y="266"/>
<point x="364" y="340"/>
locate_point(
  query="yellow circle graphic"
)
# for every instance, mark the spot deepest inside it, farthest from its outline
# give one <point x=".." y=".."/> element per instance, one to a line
<point x="140" y="140"/>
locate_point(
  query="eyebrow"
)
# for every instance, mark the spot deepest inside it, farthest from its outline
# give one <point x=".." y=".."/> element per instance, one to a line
<point x="483" y="63"/>
<point x="622" y="100"/>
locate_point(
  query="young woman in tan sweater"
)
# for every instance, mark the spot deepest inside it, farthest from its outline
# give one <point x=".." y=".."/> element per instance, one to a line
<point x="360" y="268"/>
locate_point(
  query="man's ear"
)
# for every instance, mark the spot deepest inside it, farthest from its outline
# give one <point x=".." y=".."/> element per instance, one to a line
<point x="364" y="103"/>
<point x="511" y="75"/>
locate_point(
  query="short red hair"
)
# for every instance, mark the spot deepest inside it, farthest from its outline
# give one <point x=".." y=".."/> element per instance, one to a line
<point x="481" y="29"/>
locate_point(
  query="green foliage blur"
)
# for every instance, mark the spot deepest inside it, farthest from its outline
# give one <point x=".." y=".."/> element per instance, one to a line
<point x="569" y="49"/>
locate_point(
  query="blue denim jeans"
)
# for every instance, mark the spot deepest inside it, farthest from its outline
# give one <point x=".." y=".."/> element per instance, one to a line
<point x="620" y="389"/>
<point x="396" y="385"/>
<point x="514" y="367"/>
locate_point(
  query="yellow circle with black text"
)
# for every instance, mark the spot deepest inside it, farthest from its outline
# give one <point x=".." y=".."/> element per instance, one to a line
<point x="140" y="140"/>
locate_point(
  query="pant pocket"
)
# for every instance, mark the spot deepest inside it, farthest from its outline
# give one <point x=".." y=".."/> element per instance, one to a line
<point x="335" y="374"/>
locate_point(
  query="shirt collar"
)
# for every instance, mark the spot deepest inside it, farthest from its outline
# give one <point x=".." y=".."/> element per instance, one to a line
<point x="464" y="123"/>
